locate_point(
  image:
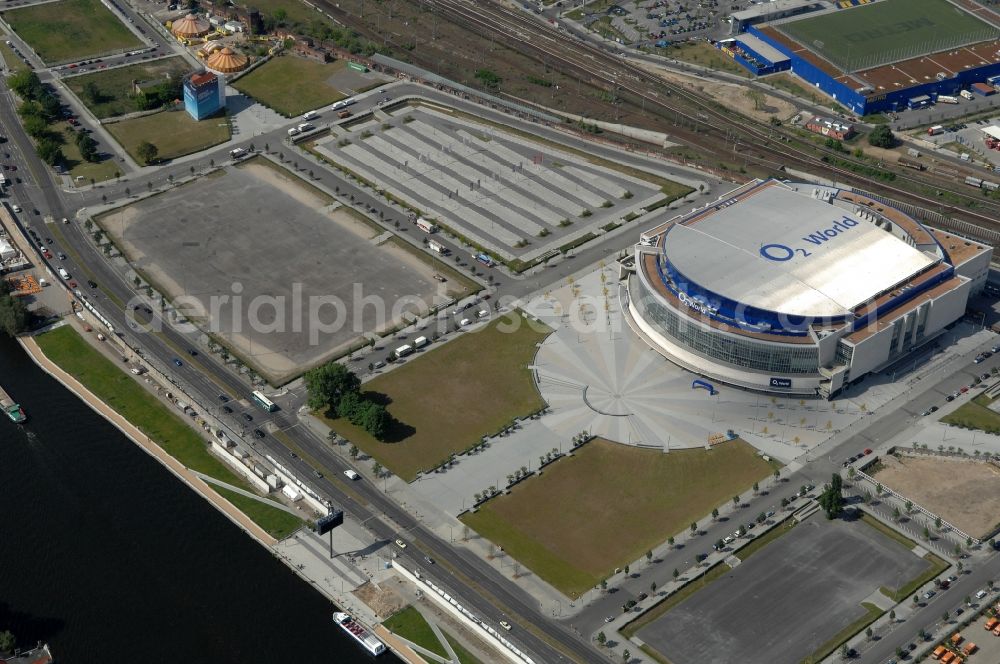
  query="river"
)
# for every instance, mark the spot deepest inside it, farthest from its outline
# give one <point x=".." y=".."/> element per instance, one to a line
<point x="108" y="557"/>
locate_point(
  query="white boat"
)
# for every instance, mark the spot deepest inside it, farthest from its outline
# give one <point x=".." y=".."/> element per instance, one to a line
<point x="359" y="632"/>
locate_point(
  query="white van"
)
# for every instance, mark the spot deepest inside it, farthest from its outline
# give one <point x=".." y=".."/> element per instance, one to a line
<point x="293" y="131"/>
<point x="311" y="115"/>
<point x="420" y="342"/>
<point x="305" y="126"/>
<point x="343" y="103"/>
<point x="403" y="351"/>
<point x="63" y="273"/>
<point x="352" y="475"/>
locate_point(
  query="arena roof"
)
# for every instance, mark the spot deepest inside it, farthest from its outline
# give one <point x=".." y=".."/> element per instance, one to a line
<point x="785" y="251"/>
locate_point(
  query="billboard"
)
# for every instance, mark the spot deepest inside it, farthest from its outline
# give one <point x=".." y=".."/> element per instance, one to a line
<point x="329" y="522"/>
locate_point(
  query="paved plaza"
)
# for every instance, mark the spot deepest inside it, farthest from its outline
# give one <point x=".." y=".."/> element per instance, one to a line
<point x="518" y="198"/>
<point x="770" y="601"/>
<point x="282" y="273"/>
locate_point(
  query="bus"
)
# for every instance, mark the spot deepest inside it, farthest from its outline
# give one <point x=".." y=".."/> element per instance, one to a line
<point x="264" y="402"/>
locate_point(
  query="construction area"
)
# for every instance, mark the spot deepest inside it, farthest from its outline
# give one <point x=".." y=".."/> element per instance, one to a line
<point x="274" y="268"/>
<point x="515" y="197"/>
<point x="969" y="499"/>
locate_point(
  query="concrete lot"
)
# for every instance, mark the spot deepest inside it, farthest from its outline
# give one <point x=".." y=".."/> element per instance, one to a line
<point x="265" y="239"/>
<point x="786" y="600"/>
<point x="516" y="197"/>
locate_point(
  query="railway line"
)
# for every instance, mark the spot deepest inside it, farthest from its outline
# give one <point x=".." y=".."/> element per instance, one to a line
<point x="697" y="120"/>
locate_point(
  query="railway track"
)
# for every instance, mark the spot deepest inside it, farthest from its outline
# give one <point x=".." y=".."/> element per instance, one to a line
<point x="709" y="125"/>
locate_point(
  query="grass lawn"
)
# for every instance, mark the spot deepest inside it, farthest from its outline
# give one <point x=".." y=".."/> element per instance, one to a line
<point x="791" y="84"/>
<point x="706" y="55"/>
<point x="70" y="30"/>
<point x="10" y="60"/>
<point x="65" y="347"/>
<point x="115" y="85"/>
<point x="464" y="656"/>
<point x="976" y="415"/>
<point x="558" y="524"/>
<point x="447" y="398"/>
<point x="174" y="133"/>
<point x="98" y="171"/>
<point x="279" y="524"/>
<point x="292" y="85"/>
<point x="864" y="36"/>
<point x="410" y="625"/>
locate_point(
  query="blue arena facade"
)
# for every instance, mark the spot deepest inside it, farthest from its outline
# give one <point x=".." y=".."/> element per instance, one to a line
<point x="796" y="288"/>
<point x="860" y="96"/>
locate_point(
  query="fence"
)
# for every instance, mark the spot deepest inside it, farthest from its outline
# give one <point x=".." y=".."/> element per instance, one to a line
<point x="937" y="220"/>
<point x="934" y="517"/>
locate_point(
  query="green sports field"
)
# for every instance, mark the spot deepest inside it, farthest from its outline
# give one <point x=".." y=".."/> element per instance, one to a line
<point x="887" y="31"/>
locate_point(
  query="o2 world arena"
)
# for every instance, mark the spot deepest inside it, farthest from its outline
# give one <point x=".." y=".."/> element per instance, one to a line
<point x="797" y="288"/>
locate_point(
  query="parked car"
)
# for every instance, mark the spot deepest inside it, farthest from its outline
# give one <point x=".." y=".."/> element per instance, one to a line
<point x="178" y="362"/>
<point x="258" y="433"/>
<point x="401" y="544"/>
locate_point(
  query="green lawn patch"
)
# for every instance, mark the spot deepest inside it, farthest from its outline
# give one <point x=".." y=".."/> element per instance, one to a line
<point x="115" y="85"/>
<point x="559" y="524"/>
<point x="790" y="84"/>
<point x="66" y="347"/>
<point x="10" y="59"/>
<point x="448" y="398"/>
<point x="292" y="85"/>
<point x="872" y="613"/>
<point x="174" y="133"/>
<point x="70" y="30"/>
<point x="279" y="524"/>
<point x="99" y="171"/>
<point x="974" y="415"/>
<point x="703" y="54"/>
<point x="464" y="656"/>
<point x="410" y="625"/>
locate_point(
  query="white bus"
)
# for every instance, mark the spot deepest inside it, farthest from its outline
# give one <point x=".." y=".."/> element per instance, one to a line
<point x="263" y="402"/>
<point x="426" y="226"/>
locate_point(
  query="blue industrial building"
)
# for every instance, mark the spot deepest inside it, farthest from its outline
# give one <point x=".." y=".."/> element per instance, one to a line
<point x="204" y="94"/>
<point x="755" y="54"/>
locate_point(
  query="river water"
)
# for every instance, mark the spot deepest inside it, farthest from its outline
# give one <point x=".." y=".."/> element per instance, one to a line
<point x="108" y="557"/>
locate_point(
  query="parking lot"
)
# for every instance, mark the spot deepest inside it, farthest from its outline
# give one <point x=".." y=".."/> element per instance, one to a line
<point x="788" y="599"/>
<point x="254" y="250"/>
<point x="970" y="138"/>
<point x="656" y="21"/>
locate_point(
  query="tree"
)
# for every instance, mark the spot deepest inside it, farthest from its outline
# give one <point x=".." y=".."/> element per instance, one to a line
<point x="14" y="316"/>
<point x="892" y="615"/>
<point x="946" y="616"/>
<point x="937" y="523"/>
<point x="845" y="652"/>
<point x="488" y="78"/>
<point x="327" y="384"/>
<point x="777" y="474"/>
<point x="736" y="501"/>
<point x="670" y="542"/>
<point x="7" y="642"/>
<point x="353" y="452"/>
<point x="377" y="469"/>
<point x="916" y="600"/>
<point x="652" y="587"/>
<point x="675" y="574"/>
<point x="604" y="584"/>
<point x="715" y="514"/>
<point x="601" y="639"/>
<point x="882" y="137"/>
<point x="869" y="633"/>
<point x="649" y="556"/>
<point x="895" y="514"/>
<point x="147" y="152"/>
<point x="92" y="92"/>
<point x="374" y="419"/>
<point x="350" y="406"/>
<point x="694" y="528"/>
<point x="832" y="498"/>
<point x="926" y="534"/>
<point x="908" y="506"/>
<point x="756" y="488"/>
<point x="50" y="152"/>
<point x="626" y="570"/>
<point x="626" y="655"/>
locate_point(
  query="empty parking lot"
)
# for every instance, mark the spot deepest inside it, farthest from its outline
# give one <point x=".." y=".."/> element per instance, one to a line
<point x="274" y="268"/>
<point x="786" y="600"/>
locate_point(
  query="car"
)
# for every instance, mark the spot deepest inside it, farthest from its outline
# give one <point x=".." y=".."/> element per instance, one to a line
<point x="608" y="619"/>
<point x="223" y="398"/>
<point x="65" y="220"/>
<point x="192" y="352"/>
<point x="925" y="413"/>
<point x="641" y="596"/>
<point x="248" y="417"/>
<point x="929" y="594"/>
<point x="981" y="594"/>
<point x="934" y="409"/>
<point x="428" y="560"/>
<point x="258" y="433"/>
<point x="867" y="451"/>
<point x="352" y="475"/>
<point x="178" y="362"/>
<point x="401" y="544"/>
<point x="769" y="514"/>
<point x="91" y="283"/>
<point x="985" y="376"/>
<point x="964" y="390"/>
<point x="293" y="455"/>
<point x="61" y="256"/>
<point x="15" y="208"/>
<point x="48" y="240"/>
<point x="950" y="397"/>
<point x="953" y="578"/>
<point x="987" y="354"/>
<point x="227" y="409"/>
<point x="506" y="625"/>
<point x="72" y="283"/>
<point x="318" y="474"/>
<point x="979" y="358"/>
<point x="959" y="611"/>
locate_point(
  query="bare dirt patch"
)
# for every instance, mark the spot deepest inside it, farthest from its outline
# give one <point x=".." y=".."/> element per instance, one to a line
<point x="963" y="492"/>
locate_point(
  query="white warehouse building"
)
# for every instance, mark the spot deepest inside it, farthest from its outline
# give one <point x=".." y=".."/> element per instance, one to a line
<point x="797" y="288"/>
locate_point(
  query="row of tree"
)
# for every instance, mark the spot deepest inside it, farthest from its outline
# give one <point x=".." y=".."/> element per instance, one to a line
<point x="38" y="110"/>
<point x="335" y="389"/>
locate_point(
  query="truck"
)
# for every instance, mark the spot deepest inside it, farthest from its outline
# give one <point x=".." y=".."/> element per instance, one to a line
<point x="237" y="153"/>
<point x="3" y="180"/>
<point x="420" y="342"/>
<point x="966" y="94"/>
<point x="935" y="130"/>
<point x="305" y="126"/>
<point x="63" y="273"/>
<point x="344" y="114"/>
<point x="343" y="103"/>
<point x="918" y="102"/>
<point x="947" y="99"/>
<point x="990" y="624"/>
<point x="426" y="226"/>
<point x="402" y="351"/>
<point x="973" y="181"/>
<point x="311" y="115"/>
<point x="437" y="247"/>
